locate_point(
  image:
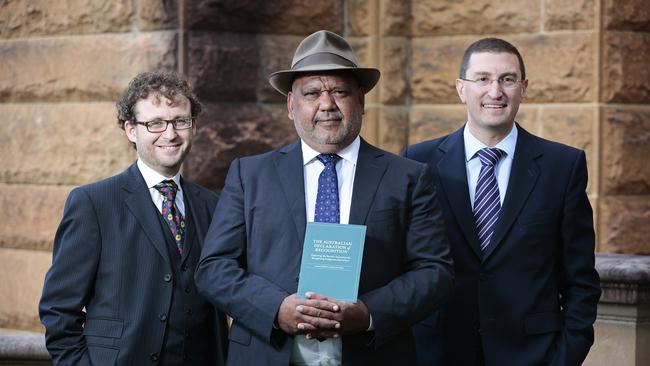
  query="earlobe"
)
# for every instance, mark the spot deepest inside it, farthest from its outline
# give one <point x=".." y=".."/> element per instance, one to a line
<point x="130" y="131"/>
<point x="460" y="89"/>
<point x="290" y="105"/>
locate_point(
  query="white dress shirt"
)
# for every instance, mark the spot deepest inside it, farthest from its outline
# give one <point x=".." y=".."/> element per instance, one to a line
<point x="152" y="177"/>
<point x="311" y="352"/>
<point x="502" y="168"/>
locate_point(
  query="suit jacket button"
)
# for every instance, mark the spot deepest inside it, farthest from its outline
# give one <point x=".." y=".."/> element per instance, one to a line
<point x="153" y="357"/>
<point x="162" y="317"/>
<point x="188" y="311"/>
<point x="187" y="289"/>
<point x="184" y="267"/>
<point x="167" y="277"/>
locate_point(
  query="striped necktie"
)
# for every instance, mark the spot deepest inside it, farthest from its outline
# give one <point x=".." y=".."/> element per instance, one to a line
<point x="487" y="203"/>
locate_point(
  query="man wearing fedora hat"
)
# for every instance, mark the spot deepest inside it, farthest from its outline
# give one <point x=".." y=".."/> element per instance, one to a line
<point x="251" y="260"/>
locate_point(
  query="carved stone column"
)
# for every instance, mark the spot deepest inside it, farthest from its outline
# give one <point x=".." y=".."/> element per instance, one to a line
<point x="623" y="324"/>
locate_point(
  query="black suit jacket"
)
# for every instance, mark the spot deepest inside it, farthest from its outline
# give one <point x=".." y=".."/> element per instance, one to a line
<point x="251" y="258"/>
<point x="111" y="257"/>
<point x="531" y="298"/>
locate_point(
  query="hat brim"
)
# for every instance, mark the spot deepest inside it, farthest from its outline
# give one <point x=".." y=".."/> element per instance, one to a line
<point x="283" y="80"/>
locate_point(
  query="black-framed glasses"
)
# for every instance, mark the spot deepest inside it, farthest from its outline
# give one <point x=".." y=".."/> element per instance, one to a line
<point x="160" y="125"/>
<point x="506" y="81"/>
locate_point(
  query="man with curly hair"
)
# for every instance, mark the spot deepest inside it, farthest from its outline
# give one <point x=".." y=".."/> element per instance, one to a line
<point x="121" y="290"/>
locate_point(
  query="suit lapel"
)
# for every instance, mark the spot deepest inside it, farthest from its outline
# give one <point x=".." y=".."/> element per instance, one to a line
<point x="370" y="169"/>
<point x="523" y="176"/>
<point x="139" y="203"/>
<point x="453" y="180"/>
<point x="289" y="168"/>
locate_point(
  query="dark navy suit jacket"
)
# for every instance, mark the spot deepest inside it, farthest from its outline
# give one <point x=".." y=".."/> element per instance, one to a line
<point x="251" y="258"/>
<point x="531" y="298"/>
<point x="111" y="257"/>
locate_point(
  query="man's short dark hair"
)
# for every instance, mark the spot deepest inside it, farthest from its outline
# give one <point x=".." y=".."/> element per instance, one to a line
<point x="165" y="83"/>
<point x="491" y="45"/>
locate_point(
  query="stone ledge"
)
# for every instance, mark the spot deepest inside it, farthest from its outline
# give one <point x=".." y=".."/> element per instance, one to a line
<point x="24" y="348"/>
<point x="624" y="278"/>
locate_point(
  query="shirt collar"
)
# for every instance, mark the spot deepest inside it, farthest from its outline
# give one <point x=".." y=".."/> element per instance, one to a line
<point x="472" y="144"/>
<point x="152" y="177"/>
<point x="349" y="153"/>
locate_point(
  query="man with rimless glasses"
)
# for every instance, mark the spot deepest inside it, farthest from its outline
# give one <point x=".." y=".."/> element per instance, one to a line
<point x="520" y="228"/>
<point x="121" y="289"/>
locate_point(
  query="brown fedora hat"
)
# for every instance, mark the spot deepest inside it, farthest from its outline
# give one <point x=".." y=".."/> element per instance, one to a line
<point x="323" y="51"/>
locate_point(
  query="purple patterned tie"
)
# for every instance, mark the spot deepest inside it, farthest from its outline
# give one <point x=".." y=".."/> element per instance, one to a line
<point x="170" y="214"/>
<point x="327" y="198"/>
<point x="486" y="201"/>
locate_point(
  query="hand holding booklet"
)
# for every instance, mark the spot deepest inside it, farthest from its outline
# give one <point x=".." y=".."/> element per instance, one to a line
<point x="331" y="260"/>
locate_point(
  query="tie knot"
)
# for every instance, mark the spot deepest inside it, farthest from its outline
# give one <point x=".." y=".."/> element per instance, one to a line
<point x="328" y="159"/>
<point x="489" y="156"/>
<point x="167" y="188"/>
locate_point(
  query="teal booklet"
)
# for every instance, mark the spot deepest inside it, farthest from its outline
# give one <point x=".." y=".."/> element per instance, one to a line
<point x="331" y="260"/>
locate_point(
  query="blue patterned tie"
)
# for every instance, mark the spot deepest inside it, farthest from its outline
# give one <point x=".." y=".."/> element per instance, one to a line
<point x="486" y="201"/>
<point x="170" y="214"/>
<point x="327" y="199"/>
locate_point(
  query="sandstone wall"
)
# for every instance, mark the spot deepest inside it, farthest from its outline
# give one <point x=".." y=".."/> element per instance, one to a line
<point x="586" y="63"/>
<point x="64" y="64"/>
<point x="624" y="225"/>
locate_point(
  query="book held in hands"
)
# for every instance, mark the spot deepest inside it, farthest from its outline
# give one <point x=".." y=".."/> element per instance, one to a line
<point x="331" y="260"/>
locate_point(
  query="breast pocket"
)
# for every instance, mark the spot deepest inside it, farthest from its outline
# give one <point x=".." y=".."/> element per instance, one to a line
<point x="390" y="216"/>
<point x="539" y="221"/>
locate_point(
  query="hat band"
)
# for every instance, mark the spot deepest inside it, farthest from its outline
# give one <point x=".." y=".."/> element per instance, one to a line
<point x="323" y="58"/>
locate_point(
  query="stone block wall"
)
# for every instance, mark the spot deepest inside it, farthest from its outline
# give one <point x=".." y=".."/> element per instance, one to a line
<point x="232" y="46"/>
<point x="65" y="63"/>
<point x="63" y="66"/>
<point x="586" y="63"/>
<point x="625" y="127"/>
